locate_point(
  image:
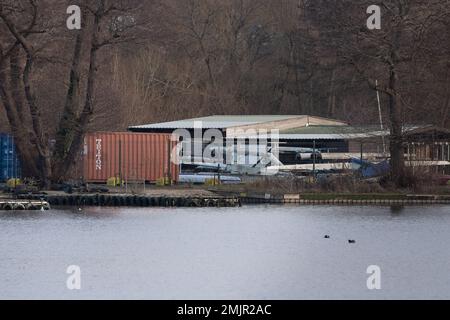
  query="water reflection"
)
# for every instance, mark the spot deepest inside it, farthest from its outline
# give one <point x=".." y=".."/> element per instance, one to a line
<point x="63" y="212"/>
<point x="397" y="210"/>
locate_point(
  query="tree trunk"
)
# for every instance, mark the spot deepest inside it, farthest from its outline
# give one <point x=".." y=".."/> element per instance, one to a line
<point x="73" y="127"/>
<point x="68" y="123"/>
<point x="87" y="112"/>
<point x="332" y="94"/>
<point x="31" y="145"/>
<point x="395" y="114"/>
<point x="446" y="106"/>
<point x="16" y="85"/>
<point x="40" y="138"/>
<point x="396" y="136"/>
<point x="26" y="150"/>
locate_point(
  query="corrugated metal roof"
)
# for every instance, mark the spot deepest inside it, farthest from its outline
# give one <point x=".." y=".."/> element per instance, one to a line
<point x="342" y="132"/>
<point x="321" y="132"/>
<point x="217" y="122"/>
<point x="326" y="130"/>
<point x="313" y="136"/>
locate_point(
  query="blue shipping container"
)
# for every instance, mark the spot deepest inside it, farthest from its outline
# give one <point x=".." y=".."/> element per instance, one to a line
<point x="9" y="160"/>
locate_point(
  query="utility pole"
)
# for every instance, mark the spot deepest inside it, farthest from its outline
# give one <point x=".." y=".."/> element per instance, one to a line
<point x="314" y="160"/>
<point x="362" y="159"/>
<point x="381" y="118"/>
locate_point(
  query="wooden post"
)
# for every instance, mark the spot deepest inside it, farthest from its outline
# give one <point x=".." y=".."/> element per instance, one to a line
<point x="448" y="152"/>
<point x="218" y="174"/>
<point x="409" y="152"/>
<point x="169" y="171"/>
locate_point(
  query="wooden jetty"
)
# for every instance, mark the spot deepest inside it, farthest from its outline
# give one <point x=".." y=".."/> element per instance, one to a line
<point x="130" y="200"/>
<point x="12" y="204"/>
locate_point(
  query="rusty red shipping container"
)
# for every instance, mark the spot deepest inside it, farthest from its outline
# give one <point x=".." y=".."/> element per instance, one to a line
<point x="132" y="156"/>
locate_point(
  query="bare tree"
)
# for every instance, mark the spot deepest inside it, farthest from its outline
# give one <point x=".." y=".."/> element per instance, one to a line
<point x="387" y="55"/>
<point x="105" y="24"/>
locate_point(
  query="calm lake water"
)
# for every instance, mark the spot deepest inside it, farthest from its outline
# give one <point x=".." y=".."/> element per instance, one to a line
<point x="255" y="252"/>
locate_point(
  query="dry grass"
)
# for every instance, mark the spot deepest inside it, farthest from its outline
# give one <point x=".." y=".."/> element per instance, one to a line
<point x="332" y="184"/>
<point x="417" y="183"/>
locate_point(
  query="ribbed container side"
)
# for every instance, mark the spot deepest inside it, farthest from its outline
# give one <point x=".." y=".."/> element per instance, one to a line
<point x="132" y="156"/>
<point x="9" y="160"/>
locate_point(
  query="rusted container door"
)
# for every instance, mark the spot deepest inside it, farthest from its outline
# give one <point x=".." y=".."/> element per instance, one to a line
<point x="132" y="156"/>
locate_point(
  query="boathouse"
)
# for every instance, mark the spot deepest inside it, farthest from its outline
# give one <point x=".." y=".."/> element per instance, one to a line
<point x="302" y="131"/>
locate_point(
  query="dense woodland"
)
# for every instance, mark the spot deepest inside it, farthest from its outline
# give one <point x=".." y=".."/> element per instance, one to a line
<point x="136" y="62"/>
